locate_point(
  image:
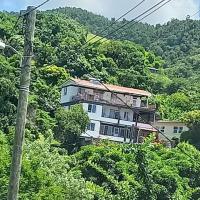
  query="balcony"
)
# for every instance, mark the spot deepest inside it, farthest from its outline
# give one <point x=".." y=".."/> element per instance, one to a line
<point x="115" y="131"/>
<point x="88" y="97"/>
<point x="99" y="98"/>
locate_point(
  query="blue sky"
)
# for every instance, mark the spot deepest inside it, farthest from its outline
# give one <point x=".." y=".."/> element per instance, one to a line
<point x="109" y="8"/>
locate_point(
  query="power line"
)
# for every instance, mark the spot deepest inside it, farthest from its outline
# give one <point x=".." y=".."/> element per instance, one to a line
<point x="132" y="24"/>
<point x="15" y="25"/>
<point x="40" y="5"/>
<point x="135" y="111"/>
<point x="117" y="20"/>
<point x="195" y="13"/>
<point x="129" y="22"/>
<point x="141" y="19"/>
<point x="23" y="14"/>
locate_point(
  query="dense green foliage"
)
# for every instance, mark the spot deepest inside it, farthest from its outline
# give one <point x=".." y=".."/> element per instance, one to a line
<point x="192" y="119"/>
<point x="176" y="42"/>
<point x="104" y="171"/>
<point x="70" y="125"/>
<point x="60" y="39"/>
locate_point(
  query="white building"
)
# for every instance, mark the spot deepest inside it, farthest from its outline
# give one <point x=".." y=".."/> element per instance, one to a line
<point x="109" y="117"/>
<point x="170" y="128"/>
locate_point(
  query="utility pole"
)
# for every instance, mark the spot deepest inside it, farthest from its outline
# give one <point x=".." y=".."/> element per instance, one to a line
<point x="30" y="18"/>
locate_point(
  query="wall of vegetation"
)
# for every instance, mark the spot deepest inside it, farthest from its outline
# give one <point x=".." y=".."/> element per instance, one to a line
<point x="51" y="168"/>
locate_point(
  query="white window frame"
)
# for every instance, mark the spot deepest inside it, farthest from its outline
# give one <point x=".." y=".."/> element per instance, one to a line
<point x="93" y="108"/>
<point x="176" y="129"/>
<point x="116" y="129"/>
<point x="91" y="127"/>
<point x="134" y="102"/>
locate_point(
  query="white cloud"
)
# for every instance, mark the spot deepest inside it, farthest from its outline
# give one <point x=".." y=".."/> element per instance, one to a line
<point x="112" y="8"/>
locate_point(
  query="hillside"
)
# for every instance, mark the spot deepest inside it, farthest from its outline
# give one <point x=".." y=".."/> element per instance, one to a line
<point x="173" y="40"/>
<point x="58" y="55"/>
<point x="54" y="166"/>
<point x="176" y="42"/>
<point x="59" y="41"/>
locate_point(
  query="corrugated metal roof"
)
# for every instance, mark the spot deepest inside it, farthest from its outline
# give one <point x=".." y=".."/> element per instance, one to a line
<point x="147" y="127"/>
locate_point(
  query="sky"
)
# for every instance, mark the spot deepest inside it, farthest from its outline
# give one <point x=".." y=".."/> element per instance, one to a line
<point x="115" y="8"/>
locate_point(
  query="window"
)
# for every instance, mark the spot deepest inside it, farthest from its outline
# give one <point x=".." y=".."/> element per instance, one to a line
<point x="175" y="129"/>
<point x="122" y="132"/>
<point x="180" y="129"/>
<point x="126" y="116"/>
<point x="162" y="129"/>
<point x="116" y="132"/>
<point x="92" y="108"/>
<point x="112" y="113"/>
<point x="107" y="130"/>
<point x="65" y="90"/>
<point x="113" y="97"/>
<point x="81" y="90"/>
<point x="110" y="131"/>
<point x="117" y="115"/>
<point x="134" y="101"/>
<point x="90" y="97"/>
<point x="103" y="112"/>
<point x="98" y="95"/>
<point x="91" y="126"/>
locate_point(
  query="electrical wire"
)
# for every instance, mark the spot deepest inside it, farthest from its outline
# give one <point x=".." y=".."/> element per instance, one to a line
<point x="135" y="111"/>
<point x="129" y="22"/>
<point x="103" y="31"/>
<point x="195" y="13"/>
<point x="15" y="25"/>
<point x="118" y="96"/>
<point x="108" y="35"/>
<point x="119" y="37"/>
<point x="40" y="5"/>
<point x="23" y="14"/>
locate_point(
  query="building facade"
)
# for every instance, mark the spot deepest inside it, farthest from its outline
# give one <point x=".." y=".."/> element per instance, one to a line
<point x="170" y="128"/>
<point x="107" y="109"/>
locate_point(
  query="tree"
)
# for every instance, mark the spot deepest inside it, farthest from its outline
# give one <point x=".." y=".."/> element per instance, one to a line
<point x="70" y="124"/>
<point x="192" y="120"/>
<point x="4" y="165"/>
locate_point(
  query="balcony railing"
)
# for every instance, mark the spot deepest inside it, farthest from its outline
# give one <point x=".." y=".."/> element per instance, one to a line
<point x="117" y="116"/>
<point x="99" y="98"/>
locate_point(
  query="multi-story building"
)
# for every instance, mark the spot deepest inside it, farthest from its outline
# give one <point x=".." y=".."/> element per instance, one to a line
<point x="110" y="118"/>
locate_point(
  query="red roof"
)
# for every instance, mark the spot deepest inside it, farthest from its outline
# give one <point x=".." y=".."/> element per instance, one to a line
<point x="114" y="88"/>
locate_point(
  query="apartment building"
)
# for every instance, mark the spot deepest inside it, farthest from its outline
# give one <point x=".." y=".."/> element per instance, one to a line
<point x="109" y="116"/>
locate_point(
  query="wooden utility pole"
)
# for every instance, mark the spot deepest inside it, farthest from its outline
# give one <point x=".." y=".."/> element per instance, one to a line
<point x="30" y="18"/>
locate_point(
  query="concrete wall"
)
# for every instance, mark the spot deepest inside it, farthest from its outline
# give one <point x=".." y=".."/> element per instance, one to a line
<point x="169" y="128"/>
<point x="71" y="91"/>
<point x="95" y="133"/>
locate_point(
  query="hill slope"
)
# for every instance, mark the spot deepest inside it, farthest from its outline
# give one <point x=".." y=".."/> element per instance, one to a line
<point x="177" y="42"/>
<point x="59" y="41"/>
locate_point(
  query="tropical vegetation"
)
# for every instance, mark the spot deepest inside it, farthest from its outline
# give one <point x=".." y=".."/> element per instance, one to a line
<point x="163" y="59"/>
